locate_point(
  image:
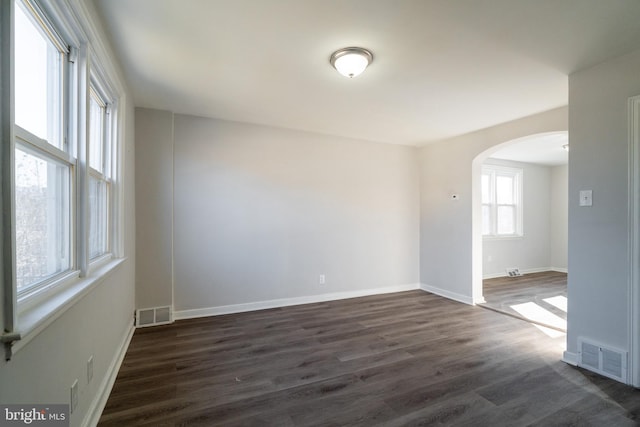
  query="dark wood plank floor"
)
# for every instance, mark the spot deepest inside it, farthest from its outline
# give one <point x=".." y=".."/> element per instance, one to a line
<point x="502" y="293"/>
<point x="402" y="359"/>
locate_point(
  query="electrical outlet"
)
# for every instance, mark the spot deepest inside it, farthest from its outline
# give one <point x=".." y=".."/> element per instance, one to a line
<point x="90" y="369"/>
<point x="321" y="280"/>
<point x="74" y="396"/>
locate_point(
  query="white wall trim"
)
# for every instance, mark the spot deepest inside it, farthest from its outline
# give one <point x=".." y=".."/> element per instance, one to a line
<point x="285" y="302"/>
<point x="570" y="358"/>
<point x="493" y="276"/>
<point x="33" y="320"/>
<point x="102" y="394"/>
<point x="633" y="374"/>
<point x="450" y="295"/>
<point x="527" y="271"/>
<point x="560" y="269"/>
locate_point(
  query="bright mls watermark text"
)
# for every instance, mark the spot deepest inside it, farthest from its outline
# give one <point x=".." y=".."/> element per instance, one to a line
<point x="34" y="415"/>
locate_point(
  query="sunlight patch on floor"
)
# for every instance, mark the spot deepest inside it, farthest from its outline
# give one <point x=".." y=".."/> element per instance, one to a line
<point x="532" y="311"/>
<point x="559" y="301"/>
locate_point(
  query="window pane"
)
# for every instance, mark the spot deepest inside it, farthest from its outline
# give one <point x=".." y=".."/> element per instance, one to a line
<point x="486" y="219"/>
<point x="96" y="132"/>
<point x="486" y="188"/>
<point x="38" y="81"/>
<point x="42" y="219"/>
<point x="98" y="217"/>
<point x="506" y="220"/>
<point x="504" y="190"/>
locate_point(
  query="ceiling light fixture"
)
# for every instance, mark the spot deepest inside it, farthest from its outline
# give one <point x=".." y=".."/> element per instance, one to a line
<point x="351" y="61"/>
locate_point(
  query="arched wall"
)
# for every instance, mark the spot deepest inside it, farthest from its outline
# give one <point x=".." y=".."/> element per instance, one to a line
<point x="450" y="232"/>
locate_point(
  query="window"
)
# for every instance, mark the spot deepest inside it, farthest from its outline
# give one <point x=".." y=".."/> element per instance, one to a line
<point x="99" y="176"/>
<point x="39" y="69"/>
<point x="43" y="169"/>
<point x="62" y="177"/>
<point x="61" y="198"/>
<point x="501" y="201"/>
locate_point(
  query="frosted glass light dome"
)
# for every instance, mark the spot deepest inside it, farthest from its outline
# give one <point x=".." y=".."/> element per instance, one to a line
<point x="351" y="61"/>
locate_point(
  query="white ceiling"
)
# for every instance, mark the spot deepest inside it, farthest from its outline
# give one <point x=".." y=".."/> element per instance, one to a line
<point x="441" y="67"/>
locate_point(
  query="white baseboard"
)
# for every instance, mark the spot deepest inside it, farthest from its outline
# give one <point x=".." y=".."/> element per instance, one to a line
<point x="285" y="302"/>
<point x="480" y="300"/>
<point x="570" y="358"/>
<point x="527" y="271"/>
<point x="493" y="276"/>
<point x="104" y="390"/>
<point x="448" y="294"/>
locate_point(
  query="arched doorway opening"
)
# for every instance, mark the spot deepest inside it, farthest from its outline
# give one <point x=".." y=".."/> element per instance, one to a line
<point x="519" y="193"/>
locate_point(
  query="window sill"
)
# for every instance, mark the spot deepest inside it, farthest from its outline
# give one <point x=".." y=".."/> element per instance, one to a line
<point x="511" y="237"/>
<point x="34" y="318"/>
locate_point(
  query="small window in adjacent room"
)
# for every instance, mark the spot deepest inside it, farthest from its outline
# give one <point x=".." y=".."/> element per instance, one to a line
<point x="501" y="201"/>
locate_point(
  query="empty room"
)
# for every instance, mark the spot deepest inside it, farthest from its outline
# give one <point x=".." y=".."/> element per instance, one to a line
<point x="312" y="212"/>
<point x="524" y="269"/>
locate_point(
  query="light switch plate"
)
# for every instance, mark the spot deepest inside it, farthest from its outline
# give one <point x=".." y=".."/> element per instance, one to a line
<point x="586" y="198"/>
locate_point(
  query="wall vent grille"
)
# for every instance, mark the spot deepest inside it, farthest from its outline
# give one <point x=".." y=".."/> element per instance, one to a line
<point x="153" y="316"/>
<point x="603" y="360"/>
<point x="513" y="272"/>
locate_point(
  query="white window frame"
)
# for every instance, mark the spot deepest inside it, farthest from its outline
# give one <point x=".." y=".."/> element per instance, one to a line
<point x="28" y="142"/>
<point x="98" y="88"/>
<point x="26" y="314"/>
<point x="517" y="174"/>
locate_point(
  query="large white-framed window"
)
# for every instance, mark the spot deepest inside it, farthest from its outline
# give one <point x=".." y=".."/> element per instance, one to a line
<point x="44" y="169"/>
<point x="501" y="201"/>
<point x="62" y="204"/>
<point x="65" y="159"/>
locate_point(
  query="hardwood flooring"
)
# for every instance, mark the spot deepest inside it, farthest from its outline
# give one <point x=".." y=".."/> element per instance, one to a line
<point x="502" y="294"/>
<point x="404" y="359"/>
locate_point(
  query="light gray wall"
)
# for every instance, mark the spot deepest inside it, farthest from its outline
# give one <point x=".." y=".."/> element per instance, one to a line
<point x="559" y="217"/>
<point x="261" y="212"/>
<point x="598" y="235"/>
<point x="448" y="238"/>
<point x="531" y="252"/>
<point x="43" y="370"/>
<point x="154" y="208"/>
